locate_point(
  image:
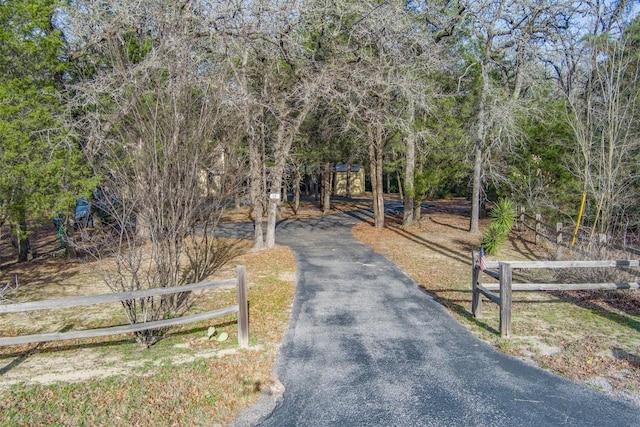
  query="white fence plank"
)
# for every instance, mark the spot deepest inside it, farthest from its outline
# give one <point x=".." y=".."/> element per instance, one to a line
<point x="566" y="264"/>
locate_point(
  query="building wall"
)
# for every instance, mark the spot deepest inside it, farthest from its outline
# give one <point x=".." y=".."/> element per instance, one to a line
<point x="356" y="182"/>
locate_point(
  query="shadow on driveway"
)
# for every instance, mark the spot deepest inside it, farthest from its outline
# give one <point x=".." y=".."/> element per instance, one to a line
<point x="366" y="347"/>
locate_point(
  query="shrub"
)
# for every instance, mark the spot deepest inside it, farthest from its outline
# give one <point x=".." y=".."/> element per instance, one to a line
<point x="503" y="216"/>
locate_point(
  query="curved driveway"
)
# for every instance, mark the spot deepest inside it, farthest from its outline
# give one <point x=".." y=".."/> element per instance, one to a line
<point x="366" y="347"/>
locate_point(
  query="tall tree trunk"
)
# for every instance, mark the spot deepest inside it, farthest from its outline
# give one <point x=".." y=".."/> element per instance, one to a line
<point x="417" y="205"/>
<point x="272" y="216"/>
<point x="282" y="146"/>
<point x="308" y="183"/>
<point x="70" y="249"/>
<point x="348" y="186"/>
<point x="409" y="177"/>
<point x="417" y="213"/>
<point x="379" y="221"/>
<point x="376" y="143"/>
<point x="23" y="240"/>
<point x="256" y="191"/>
<point x="297" y="181"/>
<point x="315" y="185"/>
<point x="277" y="172"/>
<point x="332" y="184"/>
<point x="284" y="138"/>
<point x="326" y="188"/>
<point x="474" y="225"/>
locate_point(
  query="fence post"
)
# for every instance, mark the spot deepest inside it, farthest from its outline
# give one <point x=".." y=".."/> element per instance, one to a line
<point x="538" y="227"/>
<point x="505" y="299"/>
<point x="476" y="278"/>
<point x="521" y="223"/>
<point x="558" y="240"/>
<point x="243" y="307"/>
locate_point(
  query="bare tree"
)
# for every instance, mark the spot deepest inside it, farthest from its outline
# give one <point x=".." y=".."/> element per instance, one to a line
<point x="509" y="36"/>
<point x="409" y="199"/>
<point x="600" y="77"/>
<point x="149" y="105"/>
<point x="276" y="77"/>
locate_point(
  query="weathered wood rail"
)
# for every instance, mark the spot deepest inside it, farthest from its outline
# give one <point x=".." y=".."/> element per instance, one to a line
<point x="562" y="238"/>
<point x="539" y="228"/>
<point x="241" y="308"/>
<point x="502" y="271"/>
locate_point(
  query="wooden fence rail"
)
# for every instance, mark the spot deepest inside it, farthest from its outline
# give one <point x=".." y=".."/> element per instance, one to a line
<point x="241" y="308"/>
<point x="503" y="272"/>
<point x="540" y="228"/>
<point x="542" y="231"/>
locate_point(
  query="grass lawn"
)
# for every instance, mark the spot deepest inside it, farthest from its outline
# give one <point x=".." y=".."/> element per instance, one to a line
<point x="186" y="379"/>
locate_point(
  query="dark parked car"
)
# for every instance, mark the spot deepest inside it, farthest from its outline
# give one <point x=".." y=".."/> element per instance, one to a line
<point x="109" y="211"/>
<point x="83" y="214"/>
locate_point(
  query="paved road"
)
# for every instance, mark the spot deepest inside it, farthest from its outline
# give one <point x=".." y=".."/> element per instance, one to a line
<point x="366" y="347"/>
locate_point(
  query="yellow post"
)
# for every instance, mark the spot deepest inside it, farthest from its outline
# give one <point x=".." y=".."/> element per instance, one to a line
<point x="575" y="231"/>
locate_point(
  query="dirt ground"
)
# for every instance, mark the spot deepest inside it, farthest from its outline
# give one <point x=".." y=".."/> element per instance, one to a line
<point x="49" y="275"/>
<point x="589" y="338"/>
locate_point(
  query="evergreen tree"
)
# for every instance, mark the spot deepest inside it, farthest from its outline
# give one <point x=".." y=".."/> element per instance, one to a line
<point x="39" y="165"/>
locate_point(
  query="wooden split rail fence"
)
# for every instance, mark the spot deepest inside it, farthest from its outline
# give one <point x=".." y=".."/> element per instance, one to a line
<point x="540" y="230"/>
<point x="502" y="271"/>
<point x="241" y="308"/>
<point x="562" y="237"/>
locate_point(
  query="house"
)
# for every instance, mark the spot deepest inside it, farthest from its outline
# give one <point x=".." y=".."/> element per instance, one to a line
<point x="348" y="180"/>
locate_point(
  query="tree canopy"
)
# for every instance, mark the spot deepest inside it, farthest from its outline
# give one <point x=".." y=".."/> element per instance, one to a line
<point x="533" y="101"/>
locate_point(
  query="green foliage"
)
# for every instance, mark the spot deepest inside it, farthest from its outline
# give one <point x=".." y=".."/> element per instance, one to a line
<point x="442" y="159"/>
<point x="137" y="46"/>
<point x="41" y="169"/>
<point x="212" y="332"/>
<point x="538" y="175"/>
<point x="421" y="182"/>
<point x="492" y="240"/>
<point x="503" y="216"/>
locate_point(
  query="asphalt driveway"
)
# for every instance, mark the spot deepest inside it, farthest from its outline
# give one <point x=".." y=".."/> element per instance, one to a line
<point x="367" y="347"/>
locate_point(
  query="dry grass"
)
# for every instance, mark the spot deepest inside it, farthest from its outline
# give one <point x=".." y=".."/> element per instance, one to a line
<point x="189" y="380"/>
<point x="185" y="379"/>
<point x="591" y="337"/>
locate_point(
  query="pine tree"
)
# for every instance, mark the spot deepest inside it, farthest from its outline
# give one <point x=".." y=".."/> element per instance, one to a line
<point x="39" y="166"/>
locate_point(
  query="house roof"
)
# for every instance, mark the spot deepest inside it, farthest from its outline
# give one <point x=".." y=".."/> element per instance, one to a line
<point x="341" y="167"/>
